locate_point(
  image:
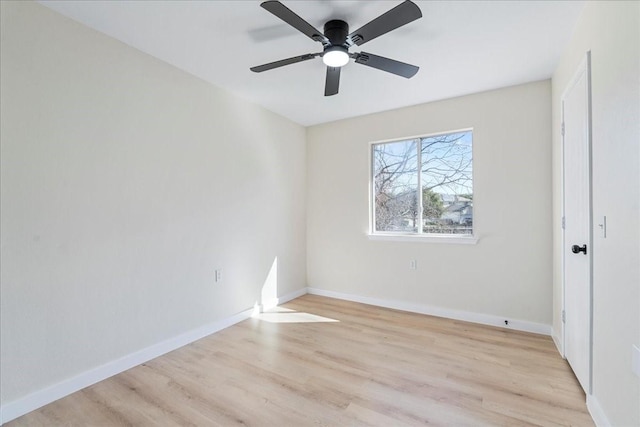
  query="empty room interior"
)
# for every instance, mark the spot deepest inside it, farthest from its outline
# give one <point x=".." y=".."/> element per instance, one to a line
<point x="430" y="215"/>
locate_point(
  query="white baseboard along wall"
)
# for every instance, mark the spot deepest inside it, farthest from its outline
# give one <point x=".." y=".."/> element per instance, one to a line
<point x="484" y="319"/>
<point x="598" y="415"/>
<point x="38" y="399"/>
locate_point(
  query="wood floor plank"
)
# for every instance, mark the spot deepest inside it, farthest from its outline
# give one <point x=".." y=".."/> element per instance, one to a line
<point x="319" y="361"/>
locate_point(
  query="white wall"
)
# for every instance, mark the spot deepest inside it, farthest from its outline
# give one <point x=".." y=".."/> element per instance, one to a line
<point x="610" y="30"/>
<point x="507" y="273"/>
<point x="125" y="183"/>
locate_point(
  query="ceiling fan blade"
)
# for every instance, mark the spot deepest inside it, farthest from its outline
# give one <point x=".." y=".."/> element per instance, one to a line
<point x="288" y="16"/>
<point x="397" y="17"/>
<point x="385" y="64"/>
<point x="283" y="62"/>
<point x="333" y="81"/>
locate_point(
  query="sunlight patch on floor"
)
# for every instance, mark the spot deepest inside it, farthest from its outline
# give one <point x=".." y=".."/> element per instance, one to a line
<point x="285" y="315"/>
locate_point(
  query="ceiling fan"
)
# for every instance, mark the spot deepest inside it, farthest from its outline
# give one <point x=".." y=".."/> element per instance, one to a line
<point x="336" y="42"/>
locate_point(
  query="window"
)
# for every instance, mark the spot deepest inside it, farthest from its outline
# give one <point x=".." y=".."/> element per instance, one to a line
<point x="423" y="186"/>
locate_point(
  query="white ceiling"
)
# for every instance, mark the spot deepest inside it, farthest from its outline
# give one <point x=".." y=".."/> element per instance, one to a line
<point x="461" y="47"/>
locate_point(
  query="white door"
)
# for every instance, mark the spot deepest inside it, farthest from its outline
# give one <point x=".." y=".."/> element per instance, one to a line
<point x="577" y="251"/>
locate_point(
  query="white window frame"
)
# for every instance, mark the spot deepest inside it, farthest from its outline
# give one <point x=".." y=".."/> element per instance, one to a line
<point x="418" y="236"/>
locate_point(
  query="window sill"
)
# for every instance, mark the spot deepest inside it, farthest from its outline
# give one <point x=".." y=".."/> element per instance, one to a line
<point x="463" y="240"/>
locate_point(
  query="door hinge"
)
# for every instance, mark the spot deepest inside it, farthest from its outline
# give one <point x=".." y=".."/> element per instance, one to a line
<point x="562" y="128"/>
<point x="564" y="223"/>
<point x="564" y="317"/>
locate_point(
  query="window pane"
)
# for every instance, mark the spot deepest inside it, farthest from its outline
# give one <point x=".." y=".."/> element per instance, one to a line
<point x="396" y="186"/>
<point x="447" y="183"/>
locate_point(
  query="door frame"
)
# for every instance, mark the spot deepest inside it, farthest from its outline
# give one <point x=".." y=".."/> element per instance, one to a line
<point x="583" y="69"/>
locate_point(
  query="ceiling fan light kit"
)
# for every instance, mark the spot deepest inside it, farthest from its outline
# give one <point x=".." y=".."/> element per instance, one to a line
<point x="336" y="42"/>
<point x="335" y="56"/>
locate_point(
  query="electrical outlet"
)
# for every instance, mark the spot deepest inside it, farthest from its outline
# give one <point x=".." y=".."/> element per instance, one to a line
<point x="218" y="275"/>
<point x="413" y="264"/>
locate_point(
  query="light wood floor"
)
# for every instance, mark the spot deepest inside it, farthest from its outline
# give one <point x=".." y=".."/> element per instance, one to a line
<point x="371" y="366"/>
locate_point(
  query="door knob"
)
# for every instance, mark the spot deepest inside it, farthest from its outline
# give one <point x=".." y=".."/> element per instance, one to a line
<point x="577" y="249"/>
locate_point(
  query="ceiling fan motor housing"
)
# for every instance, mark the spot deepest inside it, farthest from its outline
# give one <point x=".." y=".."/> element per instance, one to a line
<point x="337" y="31"/>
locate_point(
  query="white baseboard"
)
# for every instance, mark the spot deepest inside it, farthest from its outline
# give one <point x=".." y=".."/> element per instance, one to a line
<point x="558" y="342"/>
<point x="599" y="418"/>
<point x="274" y="302"/>
<point x="485" y="319"/>
<point x="37" y="399"/>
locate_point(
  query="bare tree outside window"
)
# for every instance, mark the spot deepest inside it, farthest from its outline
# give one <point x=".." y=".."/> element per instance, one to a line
<point x="424" y="185"/>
